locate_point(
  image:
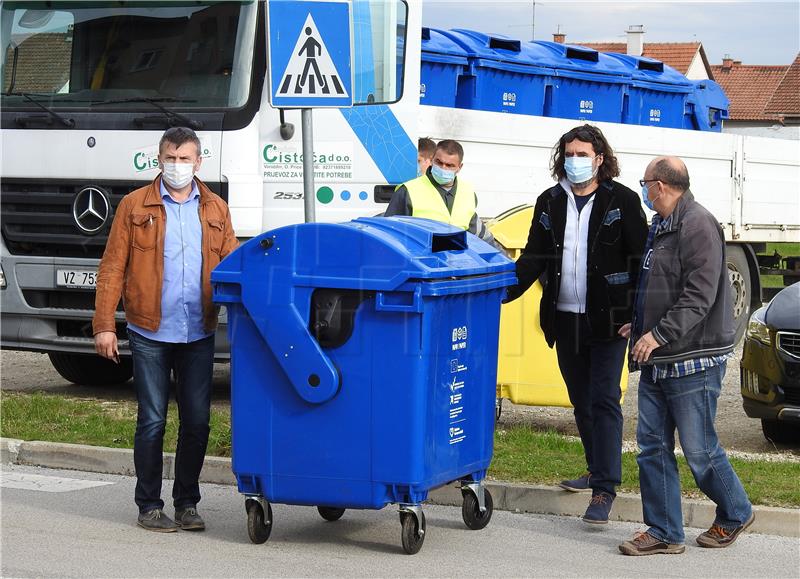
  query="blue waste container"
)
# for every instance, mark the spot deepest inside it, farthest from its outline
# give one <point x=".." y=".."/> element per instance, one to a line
<point x="587" y="85"/>
<point x="706" y="107"/>
<point x="657" y="93"/>
<point x="443" y="62"/>
<point x="500" y="78"/>
<point x="363" y="367"/>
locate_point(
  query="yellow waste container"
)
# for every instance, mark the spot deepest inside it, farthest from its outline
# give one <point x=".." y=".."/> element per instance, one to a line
<point x="527" y="369"/>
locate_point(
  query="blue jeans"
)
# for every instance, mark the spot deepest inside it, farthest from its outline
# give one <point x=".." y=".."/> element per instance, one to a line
<point x="591" y="370"/>
<point x="690" y="405"/>
<point x="193" y="364"/>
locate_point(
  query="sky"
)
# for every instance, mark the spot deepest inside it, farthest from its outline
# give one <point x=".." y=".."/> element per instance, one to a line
<point x="751" y="31"/>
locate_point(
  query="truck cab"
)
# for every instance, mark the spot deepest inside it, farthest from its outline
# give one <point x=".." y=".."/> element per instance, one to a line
<point x="88" y="89"/>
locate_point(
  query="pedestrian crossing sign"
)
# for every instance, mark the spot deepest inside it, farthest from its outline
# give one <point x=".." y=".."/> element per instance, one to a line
<point x="310" y="54"/>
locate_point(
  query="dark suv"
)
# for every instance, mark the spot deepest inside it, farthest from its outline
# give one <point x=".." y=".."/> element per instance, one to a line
<point x="770" y="371"/>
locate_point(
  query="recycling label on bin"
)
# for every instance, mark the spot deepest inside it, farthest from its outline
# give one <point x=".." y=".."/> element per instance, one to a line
<point x="458" y="378"/>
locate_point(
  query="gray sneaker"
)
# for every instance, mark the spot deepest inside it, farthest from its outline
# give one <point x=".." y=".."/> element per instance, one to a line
<point x="188" y="519"/>
<point x="157" y="521"/>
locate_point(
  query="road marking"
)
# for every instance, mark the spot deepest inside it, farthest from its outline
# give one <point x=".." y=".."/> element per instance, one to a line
<point x="48" y="484"/>
<point x="311" y="67"/>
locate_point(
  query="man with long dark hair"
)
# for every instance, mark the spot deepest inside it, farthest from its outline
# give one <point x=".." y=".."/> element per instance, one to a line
<point x="586" y="241"/>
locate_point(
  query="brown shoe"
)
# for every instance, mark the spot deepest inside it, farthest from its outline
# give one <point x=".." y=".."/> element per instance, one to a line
<point x="643" y="543"/>
<point x="717" y="537"/>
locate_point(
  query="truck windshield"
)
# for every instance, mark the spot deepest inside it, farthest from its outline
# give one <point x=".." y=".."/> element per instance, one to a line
<point x="196" y="55"/>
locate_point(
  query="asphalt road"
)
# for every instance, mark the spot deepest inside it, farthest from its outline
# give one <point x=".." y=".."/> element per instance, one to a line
<point x="54" y="528"/>
<point x="26" y="371"/>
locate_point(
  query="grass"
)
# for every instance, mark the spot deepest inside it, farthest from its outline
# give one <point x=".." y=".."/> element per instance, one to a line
<point x="784" y="249"/>
<point x="521" y="454"/>
<point x="94" y="422"/>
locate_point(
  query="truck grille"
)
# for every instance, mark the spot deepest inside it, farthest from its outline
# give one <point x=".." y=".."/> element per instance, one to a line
<point x="61" y="299"/>
<point x="37" y="216"/>
<point x="789" y="343"/>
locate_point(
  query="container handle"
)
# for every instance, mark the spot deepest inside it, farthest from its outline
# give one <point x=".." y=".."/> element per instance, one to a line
<point x="383" y="302"/>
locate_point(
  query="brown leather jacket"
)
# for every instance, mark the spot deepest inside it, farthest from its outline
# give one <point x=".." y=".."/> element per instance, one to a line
<point x="133" y="262"/>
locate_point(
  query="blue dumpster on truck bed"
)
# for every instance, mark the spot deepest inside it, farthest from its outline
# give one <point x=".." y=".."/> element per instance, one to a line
<point x="587" y="85"/>
<point x="656" y="94"/>
<point x="443" y="63"/>
<point x="363" y="367"/>
<point x="707" y="106"/>
<point x="501" y="78"/>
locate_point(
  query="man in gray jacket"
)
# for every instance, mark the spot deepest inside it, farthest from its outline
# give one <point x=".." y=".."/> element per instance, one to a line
<point x="682" y="334"/>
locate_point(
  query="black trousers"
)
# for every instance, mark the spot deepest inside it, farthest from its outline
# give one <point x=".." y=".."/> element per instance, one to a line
<point x="592" y="371"/>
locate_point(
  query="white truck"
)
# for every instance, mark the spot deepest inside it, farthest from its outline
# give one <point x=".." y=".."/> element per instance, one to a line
<point x="88" y="88"/>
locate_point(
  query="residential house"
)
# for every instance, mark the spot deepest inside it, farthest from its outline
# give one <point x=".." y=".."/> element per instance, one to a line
<point x="764" y="100"/>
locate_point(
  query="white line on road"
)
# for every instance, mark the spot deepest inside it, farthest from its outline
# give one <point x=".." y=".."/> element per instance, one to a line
<point x="48" y="484"/>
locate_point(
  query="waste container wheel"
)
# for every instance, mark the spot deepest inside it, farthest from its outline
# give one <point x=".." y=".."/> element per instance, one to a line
<point x="413" y="533"/>
<point x="330" y="513"/>
<point x="258" y="526"/>
<point x="472" y="515"/>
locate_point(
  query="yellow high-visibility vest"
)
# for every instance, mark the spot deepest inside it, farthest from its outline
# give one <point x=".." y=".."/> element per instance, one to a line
<point x="427" y="202"/>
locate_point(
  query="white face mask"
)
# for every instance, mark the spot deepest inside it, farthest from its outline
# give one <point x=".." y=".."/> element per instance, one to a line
<point x="178" y="175"/>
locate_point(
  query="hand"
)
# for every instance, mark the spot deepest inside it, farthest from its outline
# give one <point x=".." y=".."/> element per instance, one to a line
<point x="625" y="331"/>
<point x="105" y="344"/>
<point x="512" y="293"/>
<point x="644" y="347"/>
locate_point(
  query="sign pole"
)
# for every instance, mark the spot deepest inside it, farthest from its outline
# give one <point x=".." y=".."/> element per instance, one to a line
<point x="313" y="71"/>
<point x="308" y="164"/>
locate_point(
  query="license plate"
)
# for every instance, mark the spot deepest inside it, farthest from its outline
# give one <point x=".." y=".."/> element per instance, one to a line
<point x="76" y="278"/>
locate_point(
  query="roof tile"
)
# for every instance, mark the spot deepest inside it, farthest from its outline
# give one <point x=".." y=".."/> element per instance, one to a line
<point x="749" y="88"/>
<point x="786" y="99"/>
<point x="678" y="55"/>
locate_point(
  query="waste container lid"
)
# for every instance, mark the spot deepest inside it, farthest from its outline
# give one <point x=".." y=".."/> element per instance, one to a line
<point x="495" y="48"/>
<point x="570" y="57"/>
<point x="435" y="42"/>
<point x="369" y="253"/>
<point x="651" y="70"/>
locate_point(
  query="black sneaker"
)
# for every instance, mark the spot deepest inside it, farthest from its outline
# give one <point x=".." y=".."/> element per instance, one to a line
<point x="156" y="520"/>
<point x="188" y="519"/>
<point x="599" y="508"/>
<point x="717" y="537"/>
<point x="578" y="485"/>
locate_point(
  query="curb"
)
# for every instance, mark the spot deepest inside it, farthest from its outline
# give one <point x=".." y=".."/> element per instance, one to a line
<point x="513" y="497"/>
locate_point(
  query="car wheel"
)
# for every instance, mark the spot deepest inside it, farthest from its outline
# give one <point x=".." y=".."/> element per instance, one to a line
<point x="780" y="432"/>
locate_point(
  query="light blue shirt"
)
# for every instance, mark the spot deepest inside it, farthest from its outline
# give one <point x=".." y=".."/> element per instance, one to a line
<point x="181" y="291"/>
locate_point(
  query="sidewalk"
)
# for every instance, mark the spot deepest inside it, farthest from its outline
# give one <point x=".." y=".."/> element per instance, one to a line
<point x="507" y="496"/>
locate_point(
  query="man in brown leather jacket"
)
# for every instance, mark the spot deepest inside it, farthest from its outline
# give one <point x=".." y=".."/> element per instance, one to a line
<point x="165" y="240"/>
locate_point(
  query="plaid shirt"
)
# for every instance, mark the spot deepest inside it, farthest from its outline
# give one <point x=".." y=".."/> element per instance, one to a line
<point x="676" y="369"/>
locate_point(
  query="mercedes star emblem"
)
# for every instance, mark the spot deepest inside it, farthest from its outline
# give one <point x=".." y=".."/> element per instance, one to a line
<point x="91" y="210"/>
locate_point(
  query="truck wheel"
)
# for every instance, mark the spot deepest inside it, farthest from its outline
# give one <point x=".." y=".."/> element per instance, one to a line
<point x="781" y="432"/>
<point x="91" y="370"/>
<point x="741" y="287"/>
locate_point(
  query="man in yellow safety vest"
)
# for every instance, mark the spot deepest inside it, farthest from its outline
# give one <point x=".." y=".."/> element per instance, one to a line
<point x="440" y="195"/>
